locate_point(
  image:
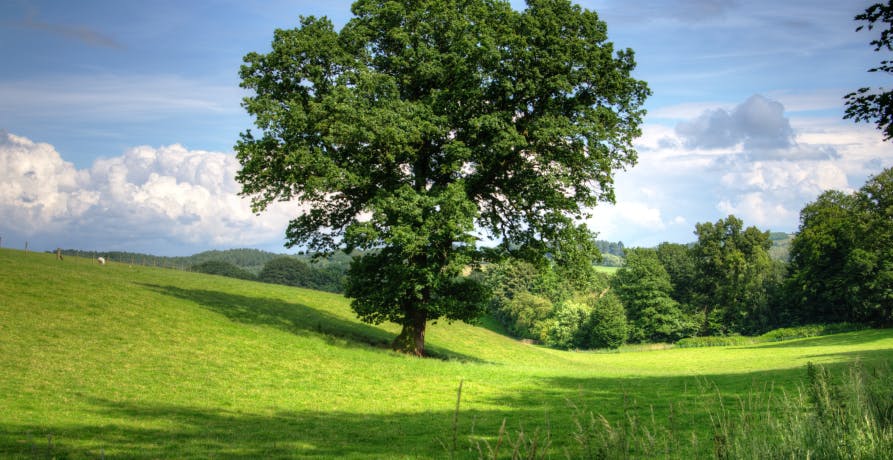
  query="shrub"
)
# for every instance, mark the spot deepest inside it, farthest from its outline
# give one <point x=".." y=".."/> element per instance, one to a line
<point x="567" y="330"/>
<point x="606" y="326"/>
<point x="525" y="315"/>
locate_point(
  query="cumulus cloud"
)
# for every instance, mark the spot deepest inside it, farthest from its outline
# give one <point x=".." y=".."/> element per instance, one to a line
<point x="758" y="211"/>
<point x="757" y="123"/>
<point x="185" y="197"/>
<point x="746" y="159"/>
<point x="631" y="221"/>
<point x="760" y="167"/>
<point x="37" y="188"/>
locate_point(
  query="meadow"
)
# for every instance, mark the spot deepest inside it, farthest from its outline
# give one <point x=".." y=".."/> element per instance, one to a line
<point x="121" y="361"/>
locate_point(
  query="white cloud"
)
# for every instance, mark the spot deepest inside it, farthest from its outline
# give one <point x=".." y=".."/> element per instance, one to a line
<point x="37" y="188"/>
<point x="184" y="197"/>
<point x="626" y="220"/>
<point x="808" y="178"/>
<point x="676" y="184"/>
<point x="755" y="210"/>
<point x="757" y="123"/>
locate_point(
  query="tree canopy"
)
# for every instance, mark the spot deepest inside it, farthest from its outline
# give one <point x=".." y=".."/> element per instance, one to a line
<point x="645" y="288"/>
<point x="733" y="270"/>
<point x="842" y="258"/>
<point x="421" y="124"/>
<point x="875" y="105"/>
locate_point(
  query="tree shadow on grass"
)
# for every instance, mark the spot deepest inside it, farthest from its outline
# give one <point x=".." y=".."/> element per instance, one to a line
<point x="681" y="407"/>
<point x="150" y="430"/>
<point x="296" y="318"/>
<point x="554" y="406"/>
<point x="156" y="430"/>
<point x="869" y="358"/>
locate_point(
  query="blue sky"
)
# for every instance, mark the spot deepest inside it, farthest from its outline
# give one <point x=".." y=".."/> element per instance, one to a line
<point x="117" y="119"/>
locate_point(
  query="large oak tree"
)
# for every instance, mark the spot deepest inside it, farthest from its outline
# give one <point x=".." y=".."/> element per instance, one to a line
<point x="421" y="124"/>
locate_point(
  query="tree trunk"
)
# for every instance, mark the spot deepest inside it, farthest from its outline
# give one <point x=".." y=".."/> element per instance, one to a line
<point x="412" y="338"/>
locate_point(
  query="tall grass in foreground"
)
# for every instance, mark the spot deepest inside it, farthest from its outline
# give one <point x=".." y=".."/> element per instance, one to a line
<point x="831" y="416"/>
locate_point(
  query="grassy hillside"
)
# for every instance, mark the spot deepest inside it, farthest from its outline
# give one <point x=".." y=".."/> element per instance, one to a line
<point x="140" y="362"/>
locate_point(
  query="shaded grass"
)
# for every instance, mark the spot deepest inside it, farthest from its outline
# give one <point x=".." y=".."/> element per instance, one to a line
<point x="138" y="362"/>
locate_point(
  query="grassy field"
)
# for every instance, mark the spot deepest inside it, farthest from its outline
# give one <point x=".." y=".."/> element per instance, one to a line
<point x="608" y="270"/>
<point x="120" y="361"/>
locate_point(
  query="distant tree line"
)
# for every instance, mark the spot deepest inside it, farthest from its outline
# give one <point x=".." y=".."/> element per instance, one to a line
<point x="286" y="270"/>
<point x="300" y="270"/>
<point x="548" y="304"/>
<point x="610" y="247"/>
<point x="251" y="260"/>
<point x="732" y="280"/>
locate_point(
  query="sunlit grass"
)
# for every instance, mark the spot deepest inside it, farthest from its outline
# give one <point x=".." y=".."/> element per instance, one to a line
<point x="131" y="361"/>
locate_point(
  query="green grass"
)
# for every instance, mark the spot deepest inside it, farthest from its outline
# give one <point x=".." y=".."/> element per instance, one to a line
<point x="140" y="362"/>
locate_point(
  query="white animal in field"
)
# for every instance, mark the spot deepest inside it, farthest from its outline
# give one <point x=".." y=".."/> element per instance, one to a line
<point x="101" y="260"/>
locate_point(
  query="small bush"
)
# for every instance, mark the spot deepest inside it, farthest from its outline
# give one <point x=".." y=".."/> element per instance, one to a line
<point x="566" y="330"/>
<point x="526" y="315"/>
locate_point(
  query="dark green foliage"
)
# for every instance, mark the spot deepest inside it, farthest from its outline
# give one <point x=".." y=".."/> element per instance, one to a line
<point x="216" y="267"/>
<point x="679" y="262"/>
<point x="716" y="341"/>
<point x="587" y="322"/>
<point x="566" y="329"/>
<point x="293" y="272"/>
<point x="520" y="296"/>
<point x="734" y="277"/>
<point x="809" y="330"/>
<point x="842" y="259"/>
<point x="866" y="104"/>
<point x="526" y="315"/>
<point x="251" y="260"/>
<point x="606" y="326"/>
<point x="421" y="122"/>
<point x="644" y="287"/>
<point x="530" y="301"/>
<point x="285" y="270"/>
<point x="875" y="261"/>
<point x="820" y="284"/>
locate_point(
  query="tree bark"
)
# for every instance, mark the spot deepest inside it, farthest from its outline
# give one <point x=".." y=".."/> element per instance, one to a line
<point x="412" y="338"/>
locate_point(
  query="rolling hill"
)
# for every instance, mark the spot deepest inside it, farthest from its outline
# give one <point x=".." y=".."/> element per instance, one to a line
<point x="140" y="362"/>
